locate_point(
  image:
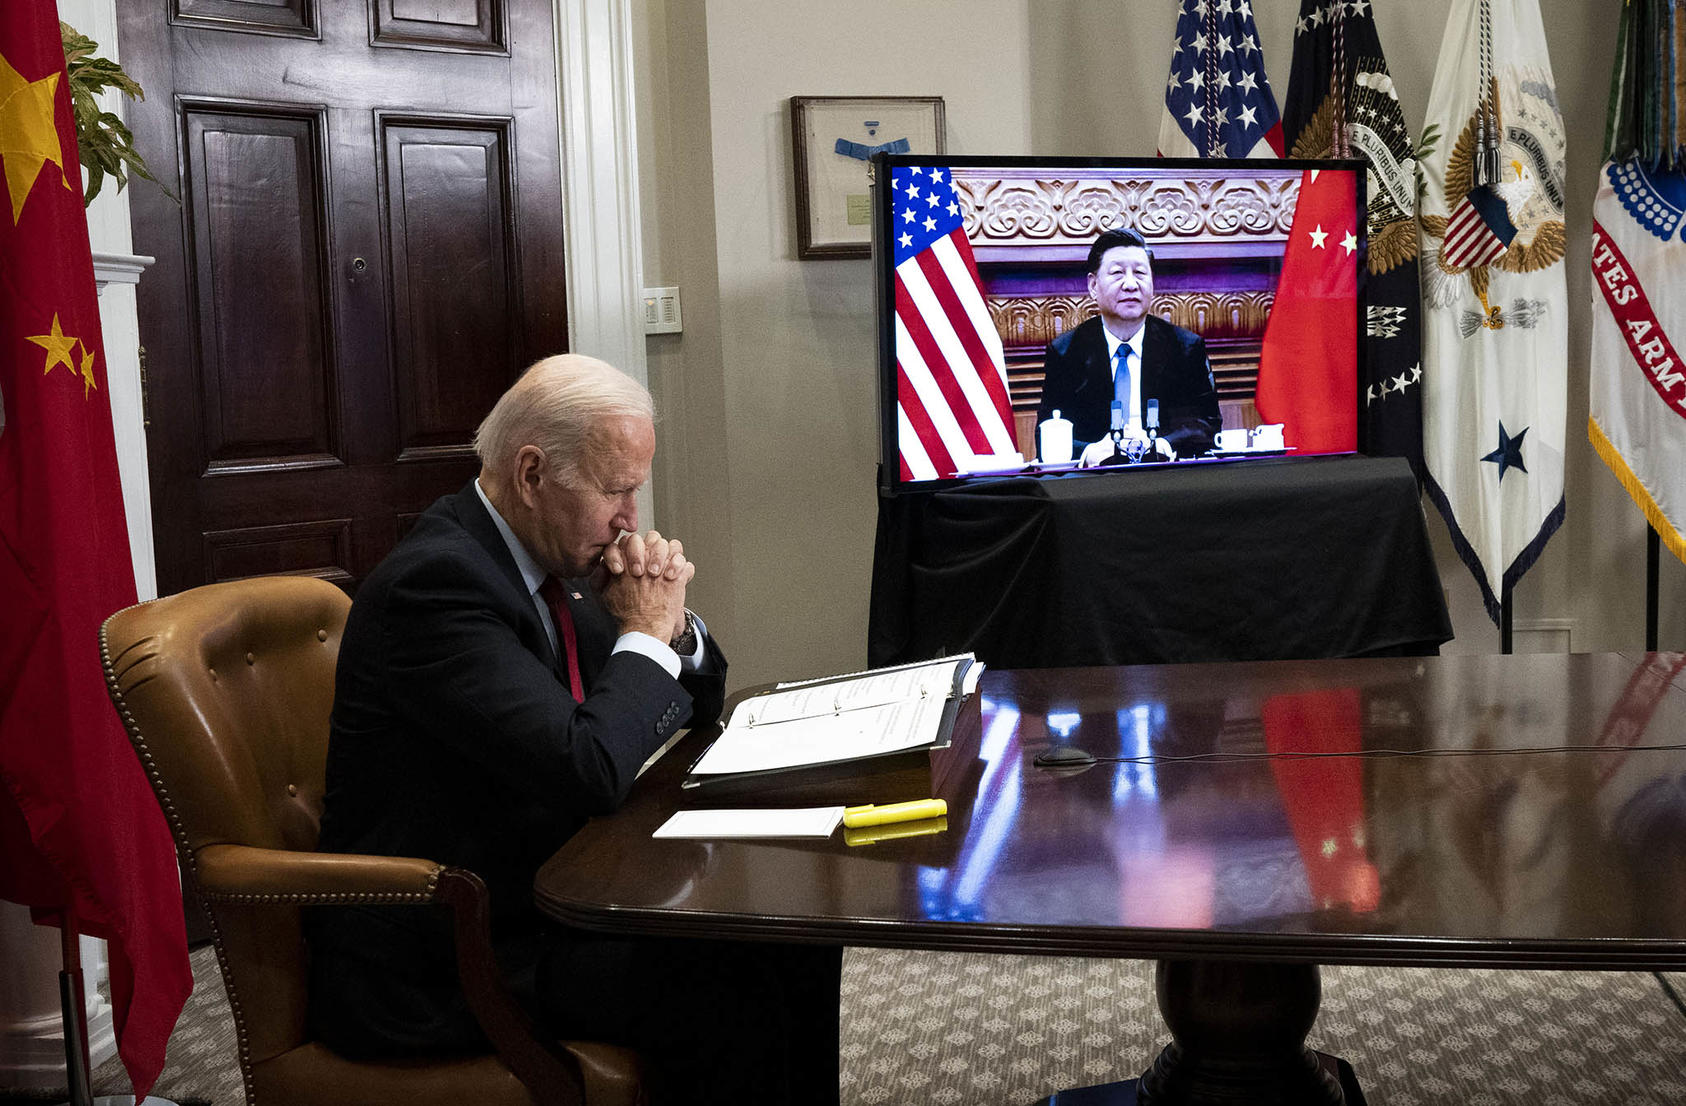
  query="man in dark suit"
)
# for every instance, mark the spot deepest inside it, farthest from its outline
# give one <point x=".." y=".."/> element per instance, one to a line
<point x="504" y="673"/>
<point x="1160" y="361"/>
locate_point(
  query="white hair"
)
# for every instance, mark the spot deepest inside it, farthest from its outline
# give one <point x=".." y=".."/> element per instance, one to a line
<point x="555" y="405"/>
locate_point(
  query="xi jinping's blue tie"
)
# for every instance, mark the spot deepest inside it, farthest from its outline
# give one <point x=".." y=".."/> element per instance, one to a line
<point x="1121" y="379"/>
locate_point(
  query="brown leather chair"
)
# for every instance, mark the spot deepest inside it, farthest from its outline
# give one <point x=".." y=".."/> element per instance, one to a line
<point x="225" y="692"/>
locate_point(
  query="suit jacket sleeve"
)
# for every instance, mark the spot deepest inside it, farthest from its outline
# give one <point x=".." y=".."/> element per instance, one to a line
<point x="461" y="671"/>
<point x="707" y="686"/>
<point x="1188" y="397"/>
<point x="1075" y="372"/>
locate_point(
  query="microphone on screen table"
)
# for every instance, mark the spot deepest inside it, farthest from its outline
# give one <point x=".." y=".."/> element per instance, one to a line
<point x="1117" y="434"/>
<point x="1152" y="420"/>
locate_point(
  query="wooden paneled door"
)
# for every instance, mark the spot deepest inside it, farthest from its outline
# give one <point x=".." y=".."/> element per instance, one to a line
<point x="367" y="249"/>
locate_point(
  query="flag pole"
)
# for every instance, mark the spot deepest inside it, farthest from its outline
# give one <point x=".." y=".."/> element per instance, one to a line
<point x="73" y="998"/>
<point x="1507" y="600"/>
<point x="1653" y="555"/>
<point x="72" y="1004"/>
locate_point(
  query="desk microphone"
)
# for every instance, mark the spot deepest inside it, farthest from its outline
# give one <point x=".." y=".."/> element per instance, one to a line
<point x="1152" y="419"/>
<point x="1117" y="432"/>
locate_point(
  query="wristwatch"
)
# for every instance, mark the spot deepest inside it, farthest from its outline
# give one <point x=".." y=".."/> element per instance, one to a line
<point x="686" y="643"/>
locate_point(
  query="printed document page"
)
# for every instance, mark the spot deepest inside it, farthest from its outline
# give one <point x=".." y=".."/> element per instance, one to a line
<point x="818" y="723"/>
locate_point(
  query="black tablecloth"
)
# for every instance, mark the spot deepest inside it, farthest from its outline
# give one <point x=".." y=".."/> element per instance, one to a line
<point x="1256" y="560"/>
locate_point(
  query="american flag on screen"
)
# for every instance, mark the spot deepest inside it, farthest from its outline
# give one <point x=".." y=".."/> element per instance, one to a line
<point x="1218" y="101"/>
<point x="951" y="377"/>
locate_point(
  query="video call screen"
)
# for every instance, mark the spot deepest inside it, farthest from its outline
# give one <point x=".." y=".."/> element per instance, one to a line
<point x="986" y="303"/>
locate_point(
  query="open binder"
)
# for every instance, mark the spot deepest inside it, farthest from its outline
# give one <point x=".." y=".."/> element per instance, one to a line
<point x="865" y="736"/>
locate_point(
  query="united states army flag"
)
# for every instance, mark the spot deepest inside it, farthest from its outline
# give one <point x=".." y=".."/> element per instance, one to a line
<point x="1637" y="396"/>
<point x="1494" y="300"/>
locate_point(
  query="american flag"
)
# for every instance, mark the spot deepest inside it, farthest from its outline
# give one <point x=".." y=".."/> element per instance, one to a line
<point x="951" y="377"/>
<point x="1218" y="101"/>
<point x="1479" y="229"/>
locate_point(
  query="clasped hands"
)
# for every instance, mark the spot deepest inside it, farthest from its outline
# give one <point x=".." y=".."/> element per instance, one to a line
<point x="642" y="582"/>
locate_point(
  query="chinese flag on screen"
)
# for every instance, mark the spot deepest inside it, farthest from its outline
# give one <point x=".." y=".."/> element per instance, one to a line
<point x="1308" y="369"/>
<point x="80" y="832"/>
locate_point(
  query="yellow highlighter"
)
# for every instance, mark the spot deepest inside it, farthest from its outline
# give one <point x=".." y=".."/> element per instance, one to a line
<point x="855" y="817"/>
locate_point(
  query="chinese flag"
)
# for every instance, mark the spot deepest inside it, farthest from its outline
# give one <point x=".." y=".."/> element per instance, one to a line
<point x="1308" y="369"/>
<point x="81" y="836"/>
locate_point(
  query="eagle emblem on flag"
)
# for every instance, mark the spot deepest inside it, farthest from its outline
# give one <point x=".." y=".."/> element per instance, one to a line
<point x="1375" y="128"/>
<point x="1512" y="221"/>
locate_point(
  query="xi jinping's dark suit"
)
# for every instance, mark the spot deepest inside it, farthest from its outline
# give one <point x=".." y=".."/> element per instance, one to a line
<point x="1174" y="369"/>
<point x="454" y="738"/>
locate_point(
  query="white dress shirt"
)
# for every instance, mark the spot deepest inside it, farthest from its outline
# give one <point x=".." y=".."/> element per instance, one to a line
<point x="1134" y="414"/>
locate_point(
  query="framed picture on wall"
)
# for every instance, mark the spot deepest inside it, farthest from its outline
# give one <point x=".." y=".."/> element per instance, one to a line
<point x="834" y="137"/>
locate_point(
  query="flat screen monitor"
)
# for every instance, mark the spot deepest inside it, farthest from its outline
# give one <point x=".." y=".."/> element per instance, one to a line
<point x="1147" y="311"/>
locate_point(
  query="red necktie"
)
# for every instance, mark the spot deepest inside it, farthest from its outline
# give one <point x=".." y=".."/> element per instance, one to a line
<point x="555" y="593"/>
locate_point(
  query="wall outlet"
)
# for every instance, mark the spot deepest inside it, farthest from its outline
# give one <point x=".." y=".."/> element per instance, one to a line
<point x="661" y="311"/>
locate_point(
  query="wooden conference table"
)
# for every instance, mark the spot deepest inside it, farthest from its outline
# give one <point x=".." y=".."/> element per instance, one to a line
<point x="1491" y="811"/>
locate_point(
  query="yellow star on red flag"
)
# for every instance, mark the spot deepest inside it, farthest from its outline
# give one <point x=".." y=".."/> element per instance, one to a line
<point x="86" y="367"/>
<point x="29" y="138"/>
<point x="59" y="347"/>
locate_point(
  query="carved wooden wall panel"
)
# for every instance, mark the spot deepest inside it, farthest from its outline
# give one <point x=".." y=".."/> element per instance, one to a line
<point x="1018" y="208"/>
<point x="450" y="229"/>
<point x="269" y="17"/>
<point x="263" y="350"/>
<point x="319" y="548"/>
<point x="1031" y="322"/>
<point x="473" y="25"/>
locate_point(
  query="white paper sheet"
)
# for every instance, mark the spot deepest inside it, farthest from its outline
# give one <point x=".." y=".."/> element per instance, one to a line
<point x="865" y="715"/>
<point x="818" y="821"/>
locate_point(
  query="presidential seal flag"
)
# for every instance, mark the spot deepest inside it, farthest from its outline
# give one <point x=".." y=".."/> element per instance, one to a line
<point x="1218" y="101"/>
<point x="82" y="839"/>
<point x="1341" y="103"/>
<point x="1495" y="323"/>
<point x="1637" y="394"/>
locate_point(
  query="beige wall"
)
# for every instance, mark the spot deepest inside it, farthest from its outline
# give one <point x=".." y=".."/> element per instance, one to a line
<point x="770" y="426"/>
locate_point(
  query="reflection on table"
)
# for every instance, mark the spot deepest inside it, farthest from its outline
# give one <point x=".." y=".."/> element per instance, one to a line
<point x="1261" y="818"/>
<point x="1494" y="830"/>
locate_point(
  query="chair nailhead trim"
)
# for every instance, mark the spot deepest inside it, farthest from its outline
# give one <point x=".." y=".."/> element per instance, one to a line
<point x="318" y="898"/>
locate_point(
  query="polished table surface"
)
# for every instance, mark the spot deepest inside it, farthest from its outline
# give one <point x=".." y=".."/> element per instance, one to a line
<point x="1521" y="811"/>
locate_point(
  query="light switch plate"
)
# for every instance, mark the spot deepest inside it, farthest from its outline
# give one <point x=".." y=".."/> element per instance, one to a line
<point x="661" y="311"/>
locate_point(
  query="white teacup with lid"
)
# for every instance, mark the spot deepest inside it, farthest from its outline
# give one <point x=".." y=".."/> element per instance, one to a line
<point x="1054" y="439"/>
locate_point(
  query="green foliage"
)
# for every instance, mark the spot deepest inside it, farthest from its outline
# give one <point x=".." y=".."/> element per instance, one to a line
<point x="103" y="142"/>
<point x="1431" y="138"/>
<point x="1425" y="147"/>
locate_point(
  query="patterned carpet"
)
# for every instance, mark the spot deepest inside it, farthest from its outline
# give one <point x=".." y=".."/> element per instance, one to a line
<point x="950" y="1029"/>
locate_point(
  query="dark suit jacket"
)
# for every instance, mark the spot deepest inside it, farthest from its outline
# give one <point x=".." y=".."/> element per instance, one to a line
<point x="1174" y="371"/>
<point x="453" y="738"/>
